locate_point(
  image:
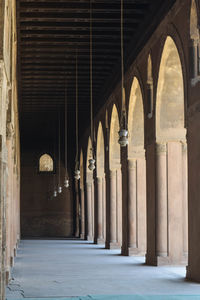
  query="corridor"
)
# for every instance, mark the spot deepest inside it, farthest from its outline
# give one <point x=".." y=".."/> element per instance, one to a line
<point x="64" y="268"/>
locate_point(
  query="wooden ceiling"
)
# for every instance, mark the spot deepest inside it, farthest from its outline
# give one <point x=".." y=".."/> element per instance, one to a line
<point x="51" y="31"/>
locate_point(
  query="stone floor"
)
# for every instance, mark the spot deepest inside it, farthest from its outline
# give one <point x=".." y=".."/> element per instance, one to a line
<point x="64" y="268"/>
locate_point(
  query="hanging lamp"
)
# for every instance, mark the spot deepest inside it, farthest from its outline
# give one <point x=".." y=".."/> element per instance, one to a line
<point x="66" y="180"/>
<point x="91" y="161"/>
<point x="77" y="171"/>
<point x="123" y="132"/>
<point x="59" y="184"/>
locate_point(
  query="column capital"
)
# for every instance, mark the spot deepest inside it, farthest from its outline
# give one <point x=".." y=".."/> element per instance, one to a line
<point x="161" y="148"/>
<point x="132" y="164"/>
<point x="184" y="146"/>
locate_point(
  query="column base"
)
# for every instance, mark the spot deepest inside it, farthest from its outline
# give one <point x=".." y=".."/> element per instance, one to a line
<point x="100" y="241"/>
<point x="82" y="236"/>
<point x="165" y="260"/>
<point x="135" y="252"/>
<point x="192" y="275"/>
<point x="112" y="245"/>
<point x="90" y="238"/>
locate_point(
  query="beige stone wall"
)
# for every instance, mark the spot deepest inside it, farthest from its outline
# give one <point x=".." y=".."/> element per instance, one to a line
<point x="10" y="145"/>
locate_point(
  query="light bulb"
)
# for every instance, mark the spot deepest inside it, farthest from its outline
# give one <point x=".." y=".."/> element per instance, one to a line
<point x="55" y="193"/>
<point x="77" y="174"/>
<point x="59" y="189"/>
<point x="66" y="183"/>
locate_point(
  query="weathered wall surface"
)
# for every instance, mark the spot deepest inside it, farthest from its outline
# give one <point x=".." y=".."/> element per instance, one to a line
<point x="43" y="215"/>
<point x="9" y="143"/>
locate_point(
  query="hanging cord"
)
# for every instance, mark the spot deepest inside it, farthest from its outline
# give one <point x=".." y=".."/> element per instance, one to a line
<point x="76" y="111"/>
<point x="123" y="114"/>
<point x="54" y="150"/>
<point x="58" y="147"/>
<point x="91" y="79"/>
<point x="66" y="129"/>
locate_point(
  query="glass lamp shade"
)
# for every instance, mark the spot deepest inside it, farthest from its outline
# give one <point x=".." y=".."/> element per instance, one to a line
<point x="55" y="193"/>
<point x="66" y="183"/>
<point x="60" y="189"/>
<point x="77" y="174"/>
<point x="91" y="165"/>
<point x="123" y="137"/>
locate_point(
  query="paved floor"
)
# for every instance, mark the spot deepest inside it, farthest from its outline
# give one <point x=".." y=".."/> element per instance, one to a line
<point x="64" y="268"/>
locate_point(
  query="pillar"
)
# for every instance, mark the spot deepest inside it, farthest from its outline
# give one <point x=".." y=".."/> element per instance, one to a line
<point x="185" y="198"/>
<point x="82" y="233"/>
<point x="100" y="239"/>
<point x="132" y="206"/>
<point x="77" y="209"/>
<point x="89" y="211"/>
<point x="113" y="211"/>
<point x="161" y="201"/>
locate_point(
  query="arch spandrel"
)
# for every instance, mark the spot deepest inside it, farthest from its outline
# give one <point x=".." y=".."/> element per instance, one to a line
<point x="81" y="170"/>
<point x="170" y="95"/>
<point x="89" y="173"/>
<point x="194" y="31"/>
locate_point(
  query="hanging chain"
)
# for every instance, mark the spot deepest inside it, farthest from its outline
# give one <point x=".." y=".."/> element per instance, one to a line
<point x="122" y="64"/>
<point x="59" y="147"/>
<point x="76" y="111"/>
<point x="91" y="78"/>
<point x="66" y="127"/>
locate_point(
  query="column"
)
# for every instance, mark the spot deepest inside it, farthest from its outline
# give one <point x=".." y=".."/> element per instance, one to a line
<point x="82" y="235"/>
<point x="185" y="198"/>
<point x="104" y="206"/>
<point x="89" y="211"/>
<point x="77" y="209"/>
<point x="113" y="210"/>
<point x="132" y="207"/>
<point x="100" y="239"/>
<point x="161" y="202"/>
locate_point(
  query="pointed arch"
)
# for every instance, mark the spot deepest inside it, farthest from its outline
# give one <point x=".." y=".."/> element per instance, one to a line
<point x="170" y="94"/>
<point x="135" y="119"/>
<point x="114" y="145"/>
<point x="100" y="151"/>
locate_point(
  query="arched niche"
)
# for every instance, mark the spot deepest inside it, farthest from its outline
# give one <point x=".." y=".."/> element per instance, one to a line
<point x="46" y="163"/>
<point x="135" y="120"/>
<point x="114" y="145"/>
<point x="100" y="151"/>
<point x="170" y="95"/>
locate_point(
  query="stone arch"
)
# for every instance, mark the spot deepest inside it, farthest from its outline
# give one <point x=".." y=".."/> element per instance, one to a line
<point x="171" y="159"/>
<point x="89" y="194"/>
<point x="135" y="119"/>
<point x="170" y="95"/>
<point x="114" y="145"/>
<point x="100" y="184"/>
<point x="136" y="173"/>
<point x="100" y="151"/>
<point x="115" y="227"/>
